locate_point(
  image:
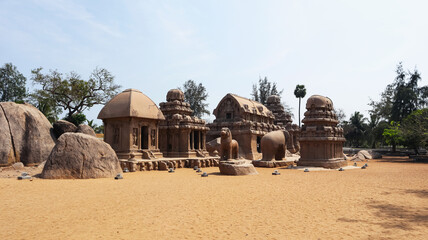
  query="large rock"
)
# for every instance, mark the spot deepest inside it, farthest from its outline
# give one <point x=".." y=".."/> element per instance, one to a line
<point x="86" y="129"/>
<point x="77" y="155"/>
<point x="25" y="134"/>
<point x="237" y="168"/>
<point x="62" y="126"/>
<point x="364" y="154"/>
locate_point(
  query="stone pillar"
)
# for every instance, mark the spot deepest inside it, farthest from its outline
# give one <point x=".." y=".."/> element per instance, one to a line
<point x="193" y="140"/>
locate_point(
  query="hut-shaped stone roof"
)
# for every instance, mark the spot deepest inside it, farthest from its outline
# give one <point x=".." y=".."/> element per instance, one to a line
<point x="131" y="103"/>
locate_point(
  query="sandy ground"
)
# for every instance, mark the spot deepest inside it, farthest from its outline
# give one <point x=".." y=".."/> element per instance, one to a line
<point x="388" y="200"/>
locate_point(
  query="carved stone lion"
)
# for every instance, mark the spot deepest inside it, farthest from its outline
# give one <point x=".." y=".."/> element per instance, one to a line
<point x="229" y="148"/>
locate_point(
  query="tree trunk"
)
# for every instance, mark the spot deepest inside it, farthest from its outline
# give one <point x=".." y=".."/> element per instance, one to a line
<point x="299" y="111"/>
<point x="394" y="147"/>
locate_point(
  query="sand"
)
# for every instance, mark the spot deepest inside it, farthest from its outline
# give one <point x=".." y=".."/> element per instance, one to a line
<point x="388" y="200"/>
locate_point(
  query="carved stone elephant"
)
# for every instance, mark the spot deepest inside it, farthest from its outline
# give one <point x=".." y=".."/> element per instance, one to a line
<point x="274" y="144"/>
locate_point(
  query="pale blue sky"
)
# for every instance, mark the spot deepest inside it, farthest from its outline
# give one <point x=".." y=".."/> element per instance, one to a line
<point x="346" y="50"/>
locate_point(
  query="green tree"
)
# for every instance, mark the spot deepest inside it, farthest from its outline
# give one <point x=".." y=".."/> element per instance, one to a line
<point x="263" y="90"/>
<point x="76" y="118"/>
<point x="401" y="97"/>
<point x="393" y="135"/>
<point x="382" y="108"/>
<point x="196" y="95"/>
<point x="300" y="92"/>
<point x="414" y="129"/>
<point x="406" y="93"/>
<point x="12" y="84"/>
<point x="71" y="93"/>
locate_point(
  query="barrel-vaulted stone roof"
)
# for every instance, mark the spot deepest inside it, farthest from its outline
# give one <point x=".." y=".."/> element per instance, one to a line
<point x="247" y="105"/>
<point x="131" y="103"/>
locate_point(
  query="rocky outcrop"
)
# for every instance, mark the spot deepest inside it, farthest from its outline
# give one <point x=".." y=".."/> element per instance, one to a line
<point x="25" y="134"/>
<point x="77" y="155"/>
<point x="364" y="154"/>
<point x="86" y="129"/>
<point x="237" y="168"/>
<point x="62" y="126"/>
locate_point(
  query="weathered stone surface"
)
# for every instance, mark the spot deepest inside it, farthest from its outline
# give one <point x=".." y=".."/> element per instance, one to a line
<point x="229" y="147"/>
<point x="163" y="165"/>
<point x="7" y="153"/>
<point x="237" y="168"/>
<point x="248" y="120"/>
<point x="131" y="125"/>
<point x="364" y="154"/>
<point x="375" y="155"/>
<point x="214" y="146"/>
<point x="274" y="145"/>
<point x="149" y="166"/>
<point x="321" y="140"/>
<point x="77" y="155"/>
<point x="18" y="166"/>
<point x="62" y="126"/>
<point x="83" y="128"/>
<point x="188" y="131"/>
<point x="25" y="134"/>
<point x="272" y="164"/>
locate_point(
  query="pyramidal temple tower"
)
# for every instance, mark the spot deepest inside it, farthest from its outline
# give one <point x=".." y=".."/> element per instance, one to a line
<point x="321" y="140"/>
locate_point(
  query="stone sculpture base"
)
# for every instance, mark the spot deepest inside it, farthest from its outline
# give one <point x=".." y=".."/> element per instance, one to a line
<point x="328" y="163"/>
<point x="237" y="168"/>
<point x="272" y="164"/>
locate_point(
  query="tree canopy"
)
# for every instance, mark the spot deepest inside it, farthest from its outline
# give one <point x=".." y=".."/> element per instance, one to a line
<point x="358" y="126"/>
<point x="196" y="95"/>
<point x="414" y="129"/>
<point x="12" y="84"/>
<point x="70" y="92"/>
<point x="263" y="90"/>
<point x="401" y="97"/>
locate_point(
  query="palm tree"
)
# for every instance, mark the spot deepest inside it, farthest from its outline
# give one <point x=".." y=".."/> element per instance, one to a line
<point x="358" y="124"/>
<point x="300" y="92"/>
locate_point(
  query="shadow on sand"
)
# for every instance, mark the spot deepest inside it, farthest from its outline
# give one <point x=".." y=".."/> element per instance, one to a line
<point x="394" y="159"/>
<point x="390" y="216"/>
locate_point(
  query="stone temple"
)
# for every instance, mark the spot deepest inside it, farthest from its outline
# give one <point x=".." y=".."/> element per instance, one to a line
<point x="247" y="120"/>
<point x="283" y="119"/>
<point x="131" y="125"/>
<point x="321" y="140"/>
<point x="181" y="135"/>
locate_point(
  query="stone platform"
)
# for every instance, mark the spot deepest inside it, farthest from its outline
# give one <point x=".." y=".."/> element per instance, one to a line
<point x="134" y="165"/>
<point x="273" y="163"/>
<point x="325" y="163"/>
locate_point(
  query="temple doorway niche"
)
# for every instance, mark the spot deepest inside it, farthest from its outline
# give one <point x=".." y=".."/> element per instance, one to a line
<point x="196" y="141"/>
<point x="144" y="137"/>
<point x="259" y="140"/>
